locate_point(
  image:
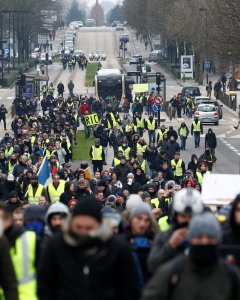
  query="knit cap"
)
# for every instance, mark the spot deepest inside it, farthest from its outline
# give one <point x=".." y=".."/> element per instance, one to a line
<point x="205" y="224"/>
<point x="140" y="209"/>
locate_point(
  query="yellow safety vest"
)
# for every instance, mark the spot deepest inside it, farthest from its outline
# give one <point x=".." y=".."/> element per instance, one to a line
<point x="116" y="161"/>
<point x="97" y="153"/>
<point x="200" y="176"/>
<point x="10" y="167"/>
<point x="141" y="148"/>
<point x="140" y="99"/>
<point x="140" y="123"/>
<point x="155" y="201"/>
<point x="26" y="155"/>
<point x="151" y="126"/>
<point x="51" y="88"/>
<point x="126" y="152"/>
<point x="23" y="255"/>
<point x="33" y="198"/>
<point x="143" y="165"/>
<point x="183" y="131"/>
<point x="128" y="128"/>
<point x="9" y="151"/>
<point x="163" y="224"/>
<point x="33" y="139"/>
<point x="196" y="127"/>
<point x="178" y="167"/>
<point x="115" y="123"/>
<point x="48" y="153"/>
<point x="161" y="134"/>
<point x="54" y="194"/>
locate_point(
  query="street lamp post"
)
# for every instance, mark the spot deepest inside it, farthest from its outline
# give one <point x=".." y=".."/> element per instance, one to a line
<point x="203" y="9"/>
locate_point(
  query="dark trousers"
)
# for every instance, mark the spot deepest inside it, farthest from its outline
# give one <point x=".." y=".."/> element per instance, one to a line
<point x="197" y="139"/>
<point x="4" y="122"/>
<point x="97" y="165"/>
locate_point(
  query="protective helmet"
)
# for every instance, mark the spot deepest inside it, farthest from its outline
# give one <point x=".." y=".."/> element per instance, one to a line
<point x="58" y="209"/>
<point x="188" y="201"/>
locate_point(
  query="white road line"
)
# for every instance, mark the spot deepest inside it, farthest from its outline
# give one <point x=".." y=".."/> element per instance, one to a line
<point x="9" y="98"/>
<point x="235" y="150"/>
<point x="238" y="154"/>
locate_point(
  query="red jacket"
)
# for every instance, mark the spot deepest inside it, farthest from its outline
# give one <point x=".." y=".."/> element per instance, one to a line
<point x="84" y="107"/>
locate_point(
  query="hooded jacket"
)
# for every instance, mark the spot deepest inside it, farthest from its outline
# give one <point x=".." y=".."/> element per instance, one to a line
<point x="95" y="269"/>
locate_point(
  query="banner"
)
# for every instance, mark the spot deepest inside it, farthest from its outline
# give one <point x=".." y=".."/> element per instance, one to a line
<point x="186" y="66"/>
<point x="91" y="120"/>
<point x="140" y="88"/>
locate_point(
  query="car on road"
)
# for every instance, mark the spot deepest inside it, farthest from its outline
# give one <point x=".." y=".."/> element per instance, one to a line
<point x="134" y="59"/>
<point x="43" y="58"/>
<point x="207" y="113"/>
<point x="124" y="38"/>
<point x="207" y="100"/>
<point x="154" y="56"/>
<point x="78" y="53"/>
<point x="145" y="68"/>
<point x="119" y="27"/>
<point x="200" y="99"/>
<point x="194" y="91"/>
<point x="115" y="23"/>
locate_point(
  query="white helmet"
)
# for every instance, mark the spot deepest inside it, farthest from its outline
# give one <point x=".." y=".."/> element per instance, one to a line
<point x="188" y="201"/>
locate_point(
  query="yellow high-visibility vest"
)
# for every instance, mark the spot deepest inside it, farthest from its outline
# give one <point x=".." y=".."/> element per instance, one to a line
<point x="97" y="153"/>
<point x="9" y="151"/>
<point x="183" y="131"/>
<point x="161" y="134"/>
<point x="196" y="126"/>
<point x="151" y="126"/>
<point x="128" y="128"/>
<point x="126" y="152"/>
<point x="143" y="165"/>
<point x="49" y="153"/>
<point x="155" y="201"/>
<point x="33" y="139"/>
<point x="54" y="194"/>
<point x="116" y="161"/>
<point x="141" y="148"/>
<point x="115" y="123"/>
<point x="140" y="123"/>
<point x="178" y="167"/>
<point x="23" y="255"/>
<point x="10" y="167"/>
<point x="200" y="176"/>
<point x="33" y="198"/>
<point x="163" y="224"/>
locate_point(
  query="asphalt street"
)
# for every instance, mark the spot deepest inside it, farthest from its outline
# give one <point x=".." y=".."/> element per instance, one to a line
<point x="106" y="39"/>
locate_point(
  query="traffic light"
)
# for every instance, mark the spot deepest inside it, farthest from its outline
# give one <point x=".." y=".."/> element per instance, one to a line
<point x="23" y="80"/>
<point x="158" y="78"/>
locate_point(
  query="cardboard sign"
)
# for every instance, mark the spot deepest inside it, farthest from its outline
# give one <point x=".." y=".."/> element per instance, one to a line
<point x="220" y="189"/>
<point x="91" y="120"/>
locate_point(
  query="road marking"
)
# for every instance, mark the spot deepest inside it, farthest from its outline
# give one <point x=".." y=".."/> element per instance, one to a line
<point x="235" y="150"/>
<point x="234" y="137"/>
<point x="238" y="154"/>
<point x="221" y="136"/>
<point x="9" y="98"/>
<point x="180" y="119"/>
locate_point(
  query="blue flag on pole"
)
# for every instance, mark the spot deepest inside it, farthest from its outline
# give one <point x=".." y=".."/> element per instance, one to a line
<point x="44" y="173"/>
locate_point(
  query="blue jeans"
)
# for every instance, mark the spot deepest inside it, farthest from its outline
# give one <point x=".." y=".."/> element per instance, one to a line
<point x="151" y="136"/>
<point x="197" y="139"/>
<point x="140" y="131"/>
<point x="183" y="144"/>
<point x="87" y="132"/>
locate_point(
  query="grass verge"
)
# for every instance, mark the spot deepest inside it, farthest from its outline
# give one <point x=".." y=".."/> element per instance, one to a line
<point x="90" y="75"/>
<point x="81" y="150"/>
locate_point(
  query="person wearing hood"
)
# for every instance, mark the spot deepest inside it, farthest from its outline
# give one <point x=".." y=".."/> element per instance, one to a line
<point x="20" y="167"/>
<point x="171" y="132"/>
<point x="69" y="193"/>
<point x="169" y="244"/>
<point x="122" y="170"/>
<point x="211" y="141"/>
<point x="131" y="185"/>
<point x="166" y="171"/>
<point x="55" y="217"/>
<point x="140" y="233"/>
<point x="14" y="202"/>
<point x="24" y="254"/>
<point x="171" y="148"/>
<point x="196" y="130"/>
<point x="97" y="264"/>
<point x="35" y="190"/>
<point x="201" y="273"/>
<point x="7" y="186"/>
<point x="193" y="164"/>
<point x="208" y="158"/>
<point x="151" y="154"/>
<point x="140" y="176"/>
<point x="231" y="235"/>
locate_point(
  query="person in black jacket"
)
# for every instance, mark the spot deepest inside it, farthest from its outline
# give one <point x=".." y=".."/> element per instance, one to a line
<point x="211" y="141"/>
<point x="3" y="113"/>
<point x="96" y="264"/>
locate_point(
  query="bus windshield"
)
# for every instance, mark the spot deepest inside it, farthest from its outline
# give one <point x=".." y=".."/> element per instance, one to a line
<point x="109" y="86"/>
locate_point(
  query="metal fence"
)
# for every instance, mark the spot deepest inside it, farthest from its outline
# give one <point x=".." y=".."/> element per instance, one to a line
<point x="229" y="101"/>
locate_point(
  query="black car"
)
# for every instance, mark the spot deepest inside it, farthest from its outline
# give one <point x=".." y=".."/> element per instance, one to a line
<point x="193" y="91"/>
